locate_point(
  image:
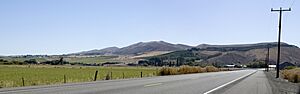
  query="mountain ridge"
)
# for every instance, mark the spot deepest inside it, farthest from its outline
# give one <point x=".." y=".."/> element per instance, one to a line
<point x="143" y="47"/>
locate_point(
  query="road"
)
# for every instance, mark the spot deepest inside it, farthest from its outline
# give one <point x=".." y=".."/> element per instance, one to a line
<point x="254" y="84"/>
<point x="201" y="83"/>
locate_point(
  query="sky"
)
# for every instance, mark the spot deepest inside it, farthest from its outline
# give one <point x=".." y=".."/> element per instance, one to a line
<point x="51" y="27"/>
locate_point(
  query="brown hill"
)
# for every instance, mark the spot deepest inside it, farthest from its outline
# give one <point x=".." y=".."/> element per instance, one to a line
<point x="105" y="51"/>
<point x="137" y="49"/>
<point x="236" y="54"/>
<point x="143" y="47"/>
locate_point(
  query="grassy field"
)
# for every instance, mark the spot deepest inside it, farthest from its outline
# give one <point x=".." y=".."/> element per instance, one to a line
<point x="11" y="75"/>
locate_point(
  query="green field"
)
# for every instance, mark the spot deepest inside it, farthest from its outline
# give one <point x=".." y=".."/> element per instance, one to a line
<point x="98" y="59"/>
<point x="11" y="75"/>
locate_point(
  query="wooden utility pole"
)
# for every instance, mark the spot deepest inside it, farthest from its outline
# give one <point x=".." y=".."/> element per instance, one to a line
<point x="279" y="35"/>
<point x="267" y="58"/>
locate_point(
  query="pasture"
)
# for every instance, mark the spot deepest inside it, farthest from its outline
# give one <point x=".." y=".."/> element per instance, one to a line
<point x="11" y="75"/>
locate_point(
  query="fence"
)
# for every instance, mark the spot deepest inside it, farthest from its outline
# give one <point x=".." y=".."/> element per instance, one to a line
<point x="108" y="77"/>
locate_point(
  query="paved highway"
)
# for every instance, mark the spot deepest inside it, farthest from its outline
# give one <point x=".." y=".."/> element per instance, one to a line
<point x="254" y="84"/>
<point x="202" y="83"/>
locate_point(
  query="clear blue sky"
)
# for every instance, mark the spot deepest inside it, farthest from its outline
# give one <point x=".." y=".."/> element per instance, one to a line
<point x="67" y="26"/>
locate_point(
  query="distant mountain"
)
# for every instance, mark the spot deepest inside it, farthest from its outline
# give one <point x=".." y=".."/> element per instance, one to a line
<point x="241" y="47"/>
<point x="143" y="47"/>
<point x="137" y="49"/>
<point x="235" y="54"/>
<point x="105" y="51"/>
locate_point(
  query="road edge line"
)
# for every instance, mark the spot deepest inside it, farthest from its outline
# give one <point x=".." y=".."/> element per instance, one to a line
<point x="228" y="83"/>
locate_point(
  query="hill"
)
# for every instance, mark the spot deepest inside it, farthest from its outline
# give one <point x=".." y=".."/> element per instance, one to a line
<point x="137" y="49"/>
<point x="143" y="47"/>
<point x="230" y="54"/>
<point x="105" y="51"/>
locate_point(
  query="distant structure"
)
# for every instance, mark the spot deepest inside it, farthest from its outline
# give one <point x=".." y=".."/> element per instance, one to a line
<point x="230" y="66"/>
<point x="285" y="64"/>
<point x="271" y="67"/>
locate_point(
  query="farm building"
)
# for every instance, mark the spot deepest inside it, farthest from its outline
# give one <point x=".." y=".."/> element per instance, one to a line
<point x="285" y="64"/>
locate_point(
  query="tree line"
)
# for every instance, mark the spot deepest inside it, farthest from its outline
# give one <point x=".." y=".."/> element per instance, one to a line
<point x="33" y="61"/>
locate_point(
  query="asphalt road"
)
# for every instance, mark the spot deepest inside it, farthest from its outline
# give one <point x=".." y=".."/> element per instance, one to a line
<point x="254" y="84"/>
<point x="178" y="84"/>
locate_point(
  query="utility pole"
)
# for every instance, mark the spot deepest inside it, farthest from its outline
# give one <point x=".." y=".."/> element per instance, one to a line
<point x="267" y="58"/>
<point x="279" y="35"/>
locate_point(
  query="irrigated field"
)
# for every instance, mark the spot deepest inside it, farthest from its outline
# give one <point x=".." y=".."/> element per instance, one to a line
<point x="11" y="75"/>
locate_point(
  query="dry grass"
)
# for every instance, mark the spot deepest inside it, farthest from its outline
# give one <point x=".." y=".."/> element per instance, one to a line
<point x="211" y="69"/>
<point x="186" y="70"/>
<point x="292" y="75"/>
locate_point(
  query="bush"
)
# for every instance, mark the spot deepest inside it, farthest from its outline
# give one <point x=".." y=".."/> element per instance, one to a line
<point x="186" y="70"/>
<point x="31" y="61"/>
<point x="211" y="69"/>
<point x="291" y="75"/>
<point x="168" y="71"/>
<point x="107" y="77"/>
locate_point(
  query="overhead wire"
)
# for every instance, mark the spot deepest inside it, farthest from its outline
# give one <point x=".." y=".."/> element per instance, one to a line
<point x="292" y="3"/>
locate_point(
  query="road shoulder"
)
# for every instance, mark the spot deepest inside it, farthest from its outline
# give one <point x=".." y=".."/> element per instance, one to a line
<point x="282" y="86"/>
<point x="254" y="84"/>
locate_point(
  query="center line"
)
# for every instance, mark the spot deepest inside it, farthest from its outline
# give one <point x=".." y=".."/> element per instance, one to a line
<point x="154" y="84"/>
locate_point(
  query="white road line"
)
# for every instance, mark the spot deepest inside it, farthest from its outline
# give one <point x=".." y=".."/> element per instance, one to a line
<point x="221" y="86"/>
<point x="154" y="84"/>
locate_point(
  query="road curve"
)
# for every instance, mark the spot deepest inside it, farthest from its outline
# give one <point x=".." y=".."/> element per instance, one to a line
<point x="178" y="84"/>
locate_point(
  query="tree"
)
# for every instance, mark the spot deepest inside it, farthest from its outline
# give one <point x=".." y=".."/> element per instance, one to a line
<point x="61" y="61"/>
<point x="31" y="61"/>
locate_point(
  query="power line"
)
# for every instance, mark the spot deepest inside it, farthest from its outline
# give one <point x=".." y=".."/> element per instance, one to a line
<point x="292" y="3"/>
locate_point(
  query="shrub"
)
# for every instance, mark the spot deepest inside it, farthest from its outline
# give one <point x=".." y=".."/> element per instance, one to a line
<point x="211" y="69"/>
<point x="168" y="71"/>
<point x="186" y="70"/>
<point x="291" y="75"/>
<point x="107" y="77"/>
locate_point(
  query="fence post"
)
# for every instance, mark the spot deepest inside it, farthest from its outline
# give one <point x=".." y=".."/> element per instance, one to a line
<point x="123" y="75"/>
<point x="23" y="81"/>
<point x="141" y="74"/>
<point x="65" y="79"/>
<point x="96" y="73"/>
<point x="111" y="77"/>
